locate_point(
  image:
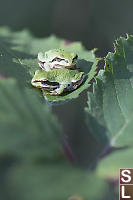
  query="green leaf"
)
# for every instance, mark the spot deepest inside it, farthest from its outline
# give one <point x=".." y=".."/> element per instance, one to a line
<point x="18" y="58"/>
<point x="27" y="127"/>
<point x="111" y="102"/>
<point x="110" y="106"/>
<point x="110" y="165"/>
<point x="55" y="181"/>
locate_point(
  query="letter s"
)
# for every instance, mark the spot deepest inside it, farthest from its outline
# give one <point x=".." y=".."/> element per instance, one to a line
<point x="125" y="174"/>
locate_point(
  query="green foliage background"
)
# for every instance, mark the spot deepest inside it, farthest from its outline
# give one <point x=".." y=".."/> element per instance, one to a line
<point x="36" y="141"/>
<point x="32" y="139"/>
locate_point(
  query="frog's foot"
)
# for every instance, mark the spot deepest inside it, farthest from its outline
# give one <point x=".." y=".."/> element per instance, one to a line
<point x="47" y="67"/>
<point x="44" y="66"/>
<point x="59" y="90"/>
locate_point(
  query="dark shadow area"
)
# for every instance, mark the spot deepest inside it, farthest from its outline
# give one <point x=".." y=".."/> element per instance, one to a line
<point x="111" y="150"/>
<point x="36" y="16"/>
<point x="6" y="162"/>
<point x="81" y="146"/>
<point x="95" y="23"/>
<point x="84" y="65"/>
<point x="121" y="70"/>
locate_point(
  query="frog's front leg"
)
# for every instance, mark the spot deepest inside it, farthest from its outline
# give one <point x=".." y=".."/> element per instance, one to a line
<point x="60" y="90"/>
<point x="47" y="67"/>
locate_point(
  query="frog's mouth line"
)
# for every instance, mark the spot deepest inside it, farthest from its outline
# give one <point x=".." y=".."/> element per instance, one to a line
<point x="57" y="66"/>
<point x="47" y="84"/>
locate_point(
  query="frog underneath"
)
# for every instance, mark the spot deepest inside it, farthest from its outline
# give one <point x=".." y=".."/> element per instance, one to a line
<point x="58" y="81"/>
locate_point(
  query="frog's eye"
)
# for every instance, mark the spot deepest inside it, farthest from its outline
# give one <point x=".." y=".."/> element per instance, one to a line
<point x="41" y="62"/>
<point x="75" y="58"/>
<point x="58" y="59"/>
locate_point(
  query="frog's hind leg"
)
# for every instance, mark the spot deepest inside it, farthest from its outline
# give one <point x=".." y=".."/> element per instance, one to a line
<point x="59" y="90"/>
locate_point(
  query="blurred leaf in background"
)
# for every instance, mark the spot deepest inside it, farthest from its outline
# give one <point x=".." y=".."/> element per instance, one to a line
<point x="27" y="127"/>
<point x="57" y="181"/>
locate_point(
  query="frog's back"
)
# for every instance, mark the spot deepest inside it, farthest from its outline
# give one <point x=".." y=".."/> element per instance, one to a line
<point x="61" y="75"/>
<point x="65" y="75"/>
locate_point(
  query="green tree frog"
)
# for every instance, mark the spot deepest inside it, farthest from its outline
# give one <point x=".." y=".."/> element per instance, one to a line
<point x="58" y="81"/>
<point x="57" y="58"/>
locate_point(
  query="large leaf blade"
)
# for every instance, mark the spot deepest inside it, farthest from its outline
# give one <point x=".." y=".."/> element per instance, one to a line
<point x="110" y="106"/>
<point x="55" y="181"/>
<point x="27" y="127"/>
<point x="114" y="100"/>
